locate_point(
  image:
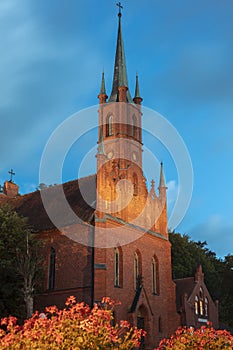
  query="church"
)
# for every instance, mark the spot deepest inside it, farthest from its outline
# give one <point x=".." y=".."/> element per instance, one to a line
<point x="118" y="246"/>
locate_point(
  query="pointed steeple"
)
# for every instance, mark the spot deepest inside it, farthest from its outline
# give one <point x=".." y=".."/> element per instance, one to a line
<point x="102" y="95"/>
<point x="103" y="89"/>
<point x="120" y="72"/>
<point x="137" y="97"/>
<point x="162" y="183"/>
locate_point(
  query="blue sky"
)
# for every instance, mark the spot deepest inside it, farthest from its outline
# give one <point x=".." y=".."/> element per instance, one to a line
<point x="52" y="56"/>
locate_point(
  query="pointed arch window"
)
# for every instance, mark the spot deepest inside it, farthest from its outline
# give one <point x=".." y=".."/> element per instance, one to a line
<point x="196" y="305"/>
<point x="135" y="184"/>
<point x="117" y="267"/>
<point x="155" y="276"/>
<point x="201" y="302"/>
<point x="206" y="307"/>
<point x="137" y="268"/>
<point x="52" y="261"/>
<point x="109" y="125"/>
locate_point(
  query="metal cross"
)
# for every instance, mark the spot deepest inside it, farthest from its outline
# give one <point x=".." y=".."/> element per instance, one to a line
<point x="120" y="7"/>
<point x="11" y="172"/>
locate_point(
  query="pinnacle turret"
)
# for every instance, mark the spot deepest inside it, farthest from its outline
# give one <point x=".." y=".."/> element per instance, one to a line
<point x="162" y="183"/>
<point x="137" y="97"/>
<point x="102" y="95"/>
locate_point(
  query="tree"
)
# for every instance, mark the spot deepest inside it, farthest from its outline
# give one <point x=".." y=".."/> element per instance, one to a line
<point x="77" y="326"/>
<point x="20" y="264"/>
<point x="187" y="255"/>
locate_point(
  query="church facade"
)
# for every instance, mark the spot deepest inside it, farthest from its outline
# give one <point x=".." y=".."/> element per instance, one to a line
<point x="126" y="253"/>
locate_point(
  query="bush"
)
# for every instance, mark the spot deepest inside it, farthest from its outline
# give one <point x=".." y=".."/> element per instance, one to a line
<point x="75" y="327"/>
<point x="200" y="339"/>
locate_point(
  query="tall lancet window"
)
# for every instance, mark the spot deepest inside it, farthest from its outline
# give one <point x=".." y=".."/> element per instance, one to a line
<point x="117" y="267"/>
<point x="154" y="284"/>
<point x="155" y="275"/>
<point x="109" y="126"/>
<point x="52" y="261"/>
<point x="206" y="307"/>
<point x="136" y="269"/>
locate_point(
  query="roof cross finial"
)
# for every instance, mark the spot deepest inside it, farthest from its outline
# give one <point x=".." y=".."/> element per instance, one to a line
<point x="11" y="172"/>
<point x="120" y="8"/>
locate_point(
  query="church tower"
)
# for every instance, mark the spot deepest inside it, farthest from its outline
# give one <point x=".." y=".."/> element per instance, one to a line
<point x="121" y="185"/>
<point x="132" y="254"/>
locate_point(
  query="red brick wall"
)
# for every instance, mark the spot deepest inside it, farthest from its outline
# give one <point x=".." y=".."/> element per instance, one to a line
<point x="73" y="269"/>
<point x="157" y="306"/>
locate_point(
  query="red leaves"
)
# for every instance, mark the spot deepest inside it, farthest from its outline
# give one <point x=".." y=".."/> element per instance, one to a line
<point x="75" y="327"/>
<point x="203" y="338"/>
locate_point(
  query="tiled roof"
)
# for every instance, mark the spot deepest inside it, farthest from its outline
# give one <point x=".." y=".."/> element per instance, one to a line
<point x="183" y="286"/>
<point x="31" y="205"/>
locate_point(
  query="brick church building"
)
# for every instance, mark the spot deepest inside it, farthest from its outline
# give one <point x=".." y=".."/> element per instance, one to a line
<point x="124" y="252"/>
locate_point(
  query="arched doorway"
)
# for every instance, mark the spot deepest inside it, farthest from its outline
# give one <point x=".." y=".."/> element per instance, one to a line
<point x="142" y="322"/>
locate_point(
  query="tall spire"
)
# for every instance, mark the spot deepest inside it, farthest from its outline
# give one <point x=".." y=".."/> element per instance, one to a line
<point x="162" y="183"/>
<point x="120" y="72"/>
<point x="137" y="97"/>
<point x="103" y="88"/>
<point x="102" y="95"/>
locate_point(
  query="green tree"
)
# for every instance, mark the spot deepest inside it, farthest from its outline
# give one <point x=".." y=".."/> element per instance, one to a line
<point x="20" y="264"/>
<point x="188" y="254"/>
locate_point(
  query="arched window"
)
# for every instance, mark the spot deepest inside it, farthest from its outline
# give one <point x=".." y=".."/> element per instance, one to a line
<point x="137" y="268"/>
<point x="109" y="126"/>
<point x="52" y="261"/>
<point x="206" y="307"/>
<point x="135" y="184"/>
<point x="155" y="276"/>
<point x="117" y="267"/>
<point x="196" y="305"/>
<point x="201" y="307"/>
<point x="201" y="302"/>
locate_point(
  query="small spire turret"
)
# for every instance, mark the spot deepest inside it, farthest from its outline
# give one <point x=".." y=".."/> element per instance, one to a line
<point x="102" y="95"/>
<point x="162" y="183"/>
<point x="137" y="97"/>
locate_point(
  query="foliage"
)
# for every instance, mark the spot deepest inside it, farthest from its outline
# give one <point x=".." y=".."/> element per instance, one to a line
<point x="20" y="264"/>
<point x="75" y="327"/>
<point x="204" y="338"/>
<point x="187" y="255"/>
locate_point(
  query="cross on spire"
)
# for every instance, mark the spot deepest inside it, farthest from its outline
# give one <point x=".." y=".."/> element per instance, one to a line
<point x="120" y="8"/>
<point x="11" y="172"/>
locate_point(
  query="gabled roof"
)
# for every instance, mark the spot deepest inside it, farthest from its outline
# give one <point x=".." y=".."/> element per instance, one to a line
<point x="184" y="286"/>
<point x="31" y="205"/>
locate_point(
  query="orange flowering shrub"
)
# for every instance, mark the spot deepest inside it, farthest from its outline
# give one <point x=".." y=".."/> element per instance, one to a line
<point x="200" y="339"/>
<point x="75" y="327"/>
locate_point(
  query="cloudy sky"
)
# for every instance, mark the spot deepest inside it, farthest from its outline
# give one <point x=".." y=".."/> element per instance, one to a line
<point x="52" y="56"/>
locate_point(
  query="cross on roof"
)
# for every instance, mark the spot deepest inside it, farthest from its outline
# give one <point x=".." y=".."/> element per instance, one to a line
<point x="11" y="172"/>
<point x="120" y="7"/>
